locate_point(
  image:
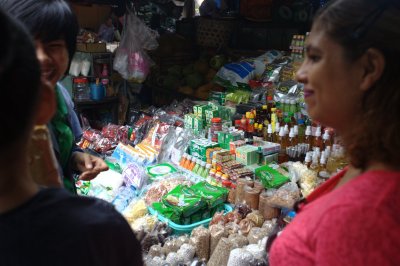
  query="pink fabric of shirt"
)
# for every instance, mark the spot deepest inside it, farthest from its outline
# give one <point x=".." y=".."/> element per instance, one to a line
<point x="357" y="224"/>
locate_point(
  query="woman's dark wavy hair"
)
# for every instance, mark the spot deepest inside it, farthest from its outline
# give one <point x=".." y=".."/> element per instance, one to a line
<point x="47" y="20"/>
<point x="358" y="25"/>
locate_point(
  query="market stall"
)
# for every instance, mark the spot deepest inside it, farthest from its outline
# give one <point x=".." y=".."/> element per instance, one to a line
<point x="206" y="182"/>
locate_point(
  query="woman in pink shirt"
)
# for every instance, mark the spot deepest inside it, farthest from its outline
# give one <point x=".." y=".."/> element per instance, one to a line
<point x="351" y="78"/>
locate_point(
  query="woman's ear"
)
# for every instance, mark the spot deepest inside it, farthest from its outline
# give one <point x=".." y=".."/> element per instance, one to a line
<point x="373" y="62"/>
<point x="47" y="104"/>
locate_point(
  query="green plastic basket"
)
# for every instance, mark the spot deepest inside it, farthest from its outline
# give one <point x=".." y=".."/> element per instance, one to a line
<point x="185" y="229"/>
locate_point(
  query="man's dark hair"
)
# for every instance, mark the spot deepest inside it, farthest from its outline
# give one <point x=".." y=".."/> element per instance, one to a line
<point x="47" y="20"/>
<point x="19" y="80"/>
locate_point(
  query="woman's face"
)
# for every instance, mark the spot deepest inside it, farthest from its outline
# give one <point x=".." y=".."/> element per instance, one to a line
<point x="53" y="58"/>
<point x="330" y="82"/>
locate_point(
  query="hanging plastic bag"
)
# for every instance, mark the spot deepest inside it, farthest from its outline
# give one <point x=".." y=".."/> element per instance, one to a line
<point x="131" y="59"/>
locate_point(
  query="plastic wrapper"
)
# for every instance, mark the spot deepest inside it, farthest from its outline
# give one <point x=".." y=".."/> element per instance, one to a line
<point x="267" y="211"/>
<point x="233" y="217"/>
<point x="157" y="190"/>
<point x="140" y="129"/>
<point x="170" y="245"/>
<point x="131" y="60"/>
<point x="134" y="175"/>
<point x="148" y="241"/>
<point x="258" y="251"/>
<point x="183" y="239"/>
<point x="232" y="228"/>
<point x="238" y="240"/>
<point x="103" y="145"/>
<point x="269" y="226"/>
<point x="240" y="189"/>
<point x="218" y="218"/>
<point x="91" y="135"/>
<point x="245" y="226"/>
<point x="173" y="259"/>
<point x="116" y="133"/>
<point x="156" y="135"/>
<point x="243" y="210"/>
<point x="234" y="73"/>
<point x="155" y="251"/>
<point x="251" y="197"/>
<point x="285" y="197"/>
<point x="156" y="261"/>
<point x="200" y="239"/>
<point x="124" y="196"/>
<point x="240" y="257"/>
<point x="256" y="217"/>
<point x="256" y="234"/>
<point x="135" y="210"/>
<point x="217" y="231"/>
<point x="220" y="256"/>
<point x="147" y="223"/>
<point x="186" y="252"/>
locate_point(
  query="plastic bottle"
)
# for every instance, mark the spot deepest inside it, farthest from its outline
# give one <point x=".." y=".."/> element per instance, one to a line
<point x="201" y="168"/>
<point x="273" y="118"/>
<point x="206" y="171"/>
<point x="282" y="139"/>
<point x="318" y="139"/>
<point x="292" y="106"/>
<point x="286" y="128"/>
<point x="260" y="131"/>
<point x="276" y="133"/>
<point x="326" y="139"/>
<point x="314" y="164"/>
<point x="308" y="139"/>
<point x="192" y="164"/>
<point x="266" y="115"/>
<point x="270" y="136"/>
<point x="270" y="102"/>
<point x="302" y="130"/>
<point x="188" y="162"/>
<point x="292" y="138"/>
<point x="323" y="172"/>
<point x="195" y="166"/>
<point x="307" y="160"/>
<point x="183" y="160"/>
<point x="243" y="123"/>
<point x="296" y="130"/>
<point x="250" y="122"/>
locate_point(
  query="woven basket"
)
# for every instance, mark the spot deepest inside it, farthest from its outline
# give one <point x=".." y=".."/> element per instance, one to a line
<point x="213" y="32"/>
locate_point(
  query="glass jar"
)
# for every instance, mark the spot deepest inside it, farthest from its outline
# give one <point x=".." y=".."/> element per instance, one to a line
<point x="216" y="126"/>
<point x="81" y="90"/>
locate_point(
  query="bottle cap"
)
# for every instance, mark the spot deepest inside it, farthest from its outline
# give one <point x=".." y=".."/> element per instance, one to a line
<point x="269" y="98"/>
<point x="269" y="130"/>
<point x="286" y="129"/>
<point x="264" y="107"/>
<point x="282" y="132"/>
<point x="308" y="157"/>
<point x="216" y="120"/>
<point x="296" y="129"/>
<point x="255" y="125"/>
<point x="300" y="121"/>
<point x="323" y="159"/>
<point x="291" y="133"/>
<point x="273" y="109"/>
<point x="318" y="132"/>
<point x="308" y="131"/>
<point x="326" y="135"/>
<point x="260" y="126"/>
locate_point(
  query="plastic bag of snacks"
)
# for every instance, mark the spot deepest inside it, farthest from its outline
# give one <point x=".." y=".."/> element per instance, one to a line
<point x="240" y="257"/>
<point x="217" y="231"/>
<point x="134" y="175"/>
<point x="200" y="239"/>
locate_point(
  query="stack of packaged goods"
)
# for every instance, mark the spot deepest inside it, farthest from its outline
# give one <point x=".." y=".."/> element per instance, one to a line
<point x="206" y="182"/>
